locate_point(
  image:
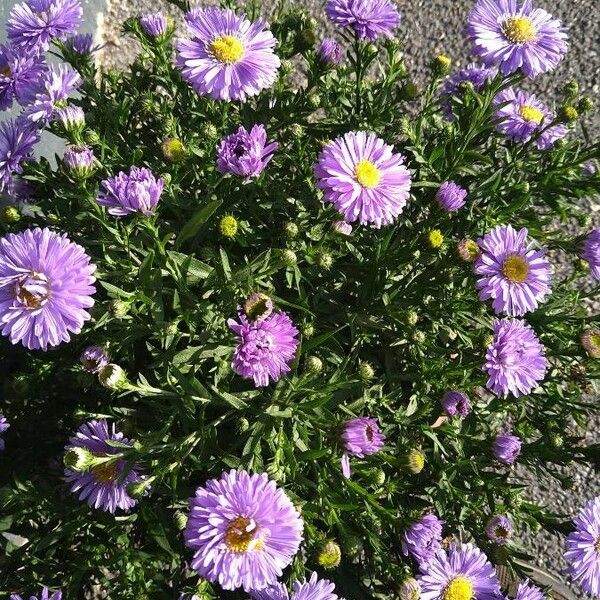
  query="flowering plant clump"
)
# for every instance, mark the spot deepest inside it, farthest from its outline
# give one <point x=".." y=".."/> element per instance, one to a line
<point x="280" y="325"/>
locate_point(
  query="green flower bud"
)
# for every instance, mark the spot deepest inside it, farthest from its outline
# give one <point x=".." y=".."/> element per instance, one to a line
<point x="366" y="371"/>
<point x="297" y="131"/>
<point x="288" y="258"/>
<point x="305" y="40"/>
<point x="209" y="131"/>
<point x="92" y="137"/>
<point x="228" y="227"/>
<point x="290" y="230"/>
<point x="488" y="340"/>
<point x="419" y="337"/>
<point x="441" y="64"/>
<point x="435" y="239"/>
<point x="173" y="150"/>
<point x="352" y="545"/>
<point x="10" y="214"/>
<point x="571" y="89"/>
<point x="242" y="425"/>
<point x="330" y="555"/>
<point x="378" y="477"/>
<point x="409" y="91"/>
<point x="119" y="308"/>
<point x="78" y="459"/>
<point x="568" y="114"/>
<point x="314" y="365"/>
<point x="307" y="330"/>
<point x="314" y="100"/>
<point x="287" y="66"/>
<point x="113" y="377"/>
<point x="415" y="461"/>
<point x="412" y="317"/>
<point x="180" y="519"/>
<point x="324" y="260"/>
<point x="556" y="440"/>
<point x="585" y="105"/>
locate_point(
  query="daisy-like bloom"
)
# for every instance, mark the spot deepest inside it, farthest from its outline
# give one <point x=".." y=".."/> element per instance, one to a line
<point x="472" y="74"/>
<point x="244" y="531"/>
<point x="450" y="196"/>
<point x="17" y="139"/>
<point x="82" y="43"/>
<point x="245" y="153"/>
<point x="59" y="83"/>
<point x="228" y="57"/>
<point x="590" y="252"/>
<point x="583" y="548"/>
<point x="79" y="160"/>
<point x="507" y="448"/>
<point x="455" y="403"/>
<point x="342" y="228"/>
<point x="46" y="287"/>
<point x="258" y="307"/>
<point x="94" y="359"/>
<point x="154" y="24"/>
<point x="330" y="53"/>
<point x="4" y="425"/>
<point x="361" y="437"/>
<point x="423" y="539"/>
<point x="368" y="18"/>
<point x="528" y="591"/>
<point x="363" y="178"/>
<point x="512" y="37"/>
<point x="512" y="272"/>
<point x="525" y="116"/>
<point x="104" y="485"/>
<point x="33" y="24"/>
<point x="313" y="589"/>
<point x="45" y="595"/>
<point x="20" y="75"/>
<point x="590" y="340"/>
<point x="460" y="573"/>
<point x="265" y="348"/>
<point x="499" y="529"/>
<point x="515" y="361"/>
<point x="136" y="191"/>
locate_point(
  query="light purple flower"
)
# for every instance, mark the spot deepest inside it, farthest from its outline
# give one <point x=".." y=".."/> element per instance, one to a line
<point x="512" y="272"/>
<point x="368" y="18"/>
<point x="528" y="591"/>
<point x="94" y="359"/>
<point x="589" y="168"/>
<point x="330" y="53"/>
<point x="17" y="140"/>
<point x="244" y="531"/>
<point x="455" y="403"/>
<point x="583" y="552"/>
<point x="512" y="36"/>
<point x="4" y="425"/>
<point x="136" y="191"/>
<point x="461" y="573"/>
<point x="46" y="287"/>
<point x="82" y="43"/>
<point x="265" y="348"/>
<point x="590" y="252"/>
<point x="20" y="75"/>
<point x="245" y="153"/>
<point x="423" y="539"/>
<point x="228" y="57"/>
<point x="515" y="362"/>
<point x="361" y="437"/>
<point x="450" y="196"/>
<point x="154" y="24"/>
<point x="313" y="589"/>
<point x="452" y="88"/>
<point x="33" y="24"/>
<point x="72" y="118"/>
<point x="525" y="116"/>
<point x="342" y="228"/>
<point x="499" y="529"/>
<point x="104" y="485"/>
<point x="506" y="447"/>
<point x="363" y="178"/>
<point x="79" y="160"/>
<point x="45" y="595"/>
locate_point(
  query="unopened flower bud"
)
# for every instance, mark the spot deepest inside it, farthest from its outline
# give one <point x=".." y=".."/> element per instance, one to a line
<point x="119" y="308"/>
<point x="297" y="131"/>
<point x="556" y="440"/>
<point x="378" y="477"/>
<point x="314" y="365"/>
<point x="590" y="340"/>
<point x="78" y="459"/>
<point x="366" y="371"/>
<point x="441" y="64"/>
<point x="324" y="260"/>
<point x="79" y="161"/>
<point x="242" y="425"/>
<point x="568" y="114"/>
<point x="180" y="519"/>
<point x="409" y="589"/>
<point x="113" y="377"/>
<point x="291" y="230"/>
<point x="330" y="555"/>
<point x="288" y="257"/>
<point x="94" y="358"/>
<point x="72" y="120"/>
<point x="92" y="138"/>
<point x="307" y="330"/>
<point x="571" y="89"/>
<point x="228" y="226"/>
<point x="409" y="91"/>
<point x="258" y="306"/>
<point x="488" y="340"/>
<point x="287" y="66"/>
<point x="314" y="100"/>
<point x="209" y="131"/>
<point x="468" y="250"/>
<point x="411" y="317"/>
<point x="10" y="214"/>
<point x="419" y="337"/>
<point x="341" y="228"/>
<point x="585" y="105"/>
<point x="352" y="545"/>
<point x="435" y="239"/>
<point x="415" y="461"/>
<point x="173" y="150"/>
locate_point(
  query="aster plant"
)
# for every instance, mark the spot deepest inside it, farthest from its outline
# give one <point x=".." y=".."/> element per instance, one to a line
<point x="278" y="323"/>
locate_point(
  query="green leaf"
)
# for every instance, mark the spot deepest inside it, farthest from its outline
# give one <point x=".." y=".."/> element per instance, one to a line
<point x="193" y="226"/>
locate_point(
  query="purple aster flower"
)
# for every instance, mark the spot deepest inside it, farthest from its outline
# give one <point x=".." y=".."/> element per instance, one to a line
<point x="460" y="573"/>
<point x="342" y="228"/>
<point x="515" y="361"/>
<point x="450" y="196"/>
<point x="94" y="359"/>
<point x="33" y="24"/>
<point x="82" y="43"/>
<point x="104" y="485"/>
<point x="528" y="591"/>
<point x="423" y="539"/>
<point x="368" y="18"/>
<point x="46" y="287"/>
<point x="507" y="448"/>
<point x="313" y="589"/>
<point x="590" y="252"/>
<point x="525" y="116"/>
<point x="244" y="531"/>
<point x="512" y="273"/>
<point x="499" y="529"/>
<point x="17" y="139"/>
<point x="583" y="548"/>
<point x="330" y="53"/>
<point x="154" y="24"/>
<point x="589" y="168"/>
<point x="514" y="37"/>
<point x="228" y="57"/>
<point x="245" y="153"/>
<point x="59" y="83"/>
<point x="452" y="88"/>
<point x="361" y="437"/>
<point x="45" y="595"/>
<point x="265" y="348"/>
<point x="138" y="191"/>
<point x="79" y="160"/>
<point x="4" y="425"/>
<point x="455" y="403"/>
<point x="362" y="177"/>
<point x="20" y="75"/>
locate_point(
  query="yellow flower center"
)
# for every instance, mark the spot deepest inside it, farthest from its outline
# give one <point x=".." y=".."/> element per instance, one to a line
<point x="530" y="113"/>
<point x="240" y="536"/>
<point x="227" y="49"/>
<point x="595" y="340"/>
<point x="5" y="70"/>
<point x="460" y="588"/>
<point x="472" y="249"/>
<point x="519" y="30"/>
<point x="436" y="238"/>
<point x="367" y="174"/>
<point x="515" y="269"/>
<point x="105" y="472"/>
